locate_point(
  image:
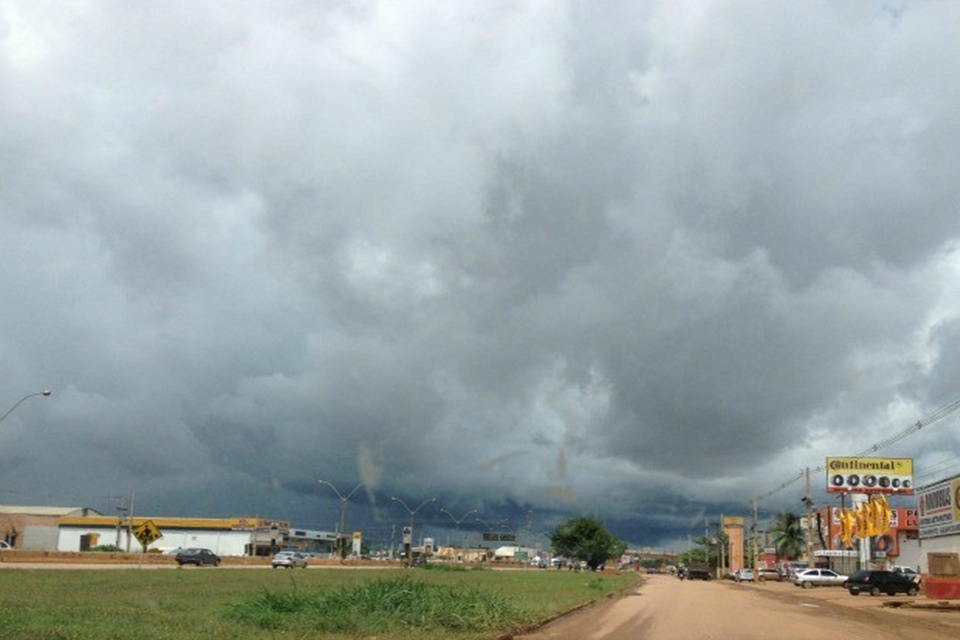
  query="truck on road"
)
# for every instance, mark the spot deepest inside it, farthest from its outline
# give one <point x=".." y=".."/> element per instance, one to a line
<point x="699" y="571"/>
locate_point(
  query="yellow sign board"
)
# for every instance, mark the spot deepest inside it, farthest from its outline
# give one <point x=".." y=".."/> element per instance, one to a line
<point x="870" y="475"/>
<point x="147" y="532"/>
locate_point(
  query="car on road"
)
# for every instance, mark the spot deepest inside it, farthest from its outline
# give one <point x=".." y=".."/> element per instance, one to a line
<point x="698" y="571"/>
<point x="807" y="578"/>
<point x="877" y="582"/>
<point x="769" y="574"/>
<point x="743" y="575"/>
<point x="198" y="557"/>
<point x="289" y="559"/>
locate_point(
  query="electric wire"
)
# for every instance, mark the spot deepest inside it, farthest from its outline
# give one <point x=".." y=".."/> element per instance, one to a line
<point x="936" y="416"/>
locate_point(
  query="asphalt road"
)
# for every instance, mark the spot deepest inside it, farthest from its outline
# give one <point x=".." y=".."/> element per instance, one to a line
<point x="667" y="608"/>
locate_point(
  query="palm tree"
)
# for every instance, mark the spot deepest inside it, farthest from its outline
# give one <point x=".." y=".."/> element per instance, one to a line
<point x="788" y="535"/>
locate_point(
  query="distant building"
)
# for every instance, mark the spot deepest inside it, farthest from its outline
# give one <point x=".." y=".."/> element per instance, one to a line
<point x="36" y="528"/>
<point x="82" y="529"/>
<point x="223" y="536"/>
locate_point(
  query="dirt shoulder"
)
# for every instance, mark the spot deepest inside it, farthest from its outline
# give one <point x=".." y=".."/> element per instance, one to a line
<point x="899" y="607"/>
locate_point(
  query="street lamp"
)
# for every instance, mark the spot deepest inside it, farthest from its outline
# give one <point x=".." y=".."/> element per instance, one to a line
<point x="45" y="392"/>
<point x="408" y="537"/>
<point x="343" y="509"/>
<point x="458" y="521"/>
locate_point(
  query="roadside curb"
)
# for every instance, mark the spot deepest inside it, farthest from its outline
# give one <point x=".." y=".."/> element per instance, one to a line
<point x="575" y="609"/>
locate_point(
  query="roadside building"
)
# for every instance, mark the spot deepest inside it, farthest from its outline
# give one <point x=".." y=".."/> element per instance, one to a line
<point x="935" y="552"/>
<point x="514" y="553"/>
<point x="313" y="541"/>
<point x="885" y="549"/>
<point x="36" y="528"/>
<point x="469" y="555"/>
<point x="938" y="506"/>
<point x="223" y="536"/>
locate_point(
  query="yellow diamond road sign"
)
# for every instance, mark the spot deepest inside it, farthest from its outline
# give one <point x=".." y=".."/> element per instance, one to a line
<point x="147" y="532"/>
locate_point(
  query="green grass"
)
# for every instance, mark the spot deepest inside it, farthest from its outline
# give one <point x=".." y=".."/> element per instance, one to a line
<point x="332" y="604"/>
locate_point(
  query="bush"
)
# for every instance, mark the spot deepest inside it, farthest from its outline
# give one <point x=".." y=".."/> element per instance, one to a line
<point x="383" y="605"/>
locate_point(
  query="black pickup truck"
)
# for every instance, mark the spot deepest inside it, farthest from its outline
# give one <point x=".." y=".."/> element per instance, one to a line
<point x="697" y="571"/>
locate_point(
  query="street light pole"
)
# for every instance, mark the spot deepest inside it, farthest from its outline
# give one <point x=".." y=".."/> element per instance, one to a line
<point x="408" y="539"/>
<point x="45" y="392"/>
<point x="458" y="521"/>
<point x="343" y="510"/>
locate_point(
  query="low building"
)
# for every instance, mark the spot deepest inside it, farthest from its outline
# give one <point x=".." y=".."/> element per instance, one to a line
<point x="316" y="541"/>
<point x="223" y="536"/>
<point x="36" y="528"/>
<point x="935" y="552"/>
<point x="514" y="553"/>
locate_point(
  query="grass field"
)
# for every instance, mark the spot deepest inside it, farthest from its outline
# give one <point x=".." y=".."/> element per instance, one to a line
<point x="333" y="604"/>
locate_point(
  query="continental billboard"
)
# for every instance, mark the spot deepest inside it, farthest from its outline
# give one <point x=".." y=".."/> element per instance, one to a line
<point x="870" y="475"/>
<point x="939" y="506"/>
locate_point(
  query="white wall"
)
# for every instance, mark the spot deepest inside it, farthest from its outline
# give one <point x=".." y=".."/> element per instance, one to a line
<point x="940" y="544"/>
<point x="39" y="537"/>
<point x="222" y="543"/>
<point x="910" y="553"/>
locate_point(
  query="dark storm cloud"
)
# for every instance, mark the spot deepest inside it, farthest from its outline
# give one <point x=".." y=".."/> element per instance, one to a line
<point x="526" y="258"/>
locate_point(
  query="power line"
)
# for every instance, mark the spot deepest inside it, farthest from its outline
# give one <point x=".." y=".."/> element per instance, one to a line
<point x="936" y="416"/>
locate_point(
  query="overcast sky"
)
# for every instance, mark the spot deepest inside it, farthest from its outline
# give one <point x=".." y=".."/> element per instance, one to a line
<point x="539" y="259"/>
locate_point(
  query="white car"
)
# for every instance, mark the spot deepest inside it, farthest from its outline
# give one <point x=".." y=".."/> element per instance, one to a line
<point x="289" y="559"/>
<point x="743" y="575"/>
<point x="807" y="578"/>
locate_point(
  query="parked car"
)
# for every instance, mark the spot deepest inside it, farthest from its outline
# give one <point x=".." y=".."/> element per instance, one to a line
<point x="4" y="545"/>
<point x="698" y="571"/>
<point x="743" y="575"/>
<point x="807" y="578"/>
<point x="877" y="582"/>
<point x="198" y="557"/>
<point x="769" y="574"/>
<point x="289" y="559"/>
<point x="908" y="572"/>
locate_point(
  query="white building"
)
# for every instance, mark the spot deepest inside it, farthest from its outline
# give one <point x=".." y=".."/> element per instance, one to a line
<point x="223" y="536"/>
<point x="939" y="509"/>
<point x="35" y="528"/>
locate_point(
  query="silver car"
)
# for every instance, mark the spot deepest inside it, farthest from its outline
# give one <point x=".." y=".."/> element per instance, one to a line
<point x="289" y="559"/>
<point x="807" y="578"/>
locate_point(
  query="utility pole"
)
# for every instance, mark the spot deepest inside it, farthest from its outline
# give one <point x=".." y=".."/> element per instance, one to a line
<point x="809" y="502"/>
<point x="133" y="497"/>
<point x="755" y="546"/>
<point x="121" y="510"/>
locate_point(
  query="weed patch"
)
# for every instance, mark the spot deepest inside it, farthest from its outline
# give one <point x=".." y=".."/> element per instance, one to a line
<point x="383" y="605"/>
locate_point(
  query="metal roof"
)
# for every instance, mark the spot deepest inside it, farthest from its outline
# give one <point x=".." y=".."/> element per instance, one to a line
<point x="57" y="512"/>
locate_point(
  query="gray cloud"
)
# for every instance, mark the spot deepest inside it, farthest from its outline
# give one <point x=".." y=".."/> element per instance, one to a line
<point x="643" y="262"/>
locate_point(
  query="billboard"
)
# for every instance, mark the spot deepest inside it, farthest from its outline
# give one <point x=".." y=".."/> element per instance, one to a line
<point x="870" y="475"/>
<point x="939" y="506"/>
